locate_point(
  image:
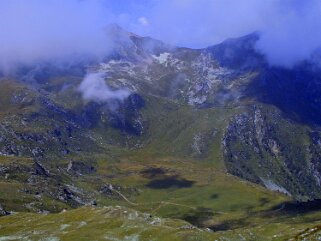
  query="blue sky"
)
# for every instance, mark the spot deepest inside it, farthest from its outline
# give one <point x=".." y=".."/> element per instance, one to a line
<point x="38" y="29"/>
<point x="290" y="29"/>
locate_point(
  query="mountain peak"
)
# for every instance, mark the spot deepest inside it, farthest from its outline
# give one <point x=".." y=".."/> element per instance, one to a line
<point x="116" y="30"/>
<point x="238" y="52"/>
<point x="128" y="45"/>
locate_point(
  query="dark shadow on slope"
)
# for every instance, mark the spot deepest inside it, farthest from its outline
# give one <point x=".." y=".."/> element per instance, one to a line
<point x="127" y="117"/>
<point x="202" y="217"/>
<point x="122" y="115"/>
<point x="297" y="92"/>
<point x="229" y="225"/>
<point x="199" y="217"/>
<point x="238" y="53"/>
<point x="264" y="201"/>
<point x="169" y="182"/>
<point x="215" y="196"/>
<point x="153" y="172"/>
<point x="294" y="208"/>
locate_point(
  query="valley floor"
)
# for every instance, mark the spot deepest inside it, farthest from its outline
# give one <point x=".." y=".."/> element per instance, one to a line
<point x="165" y="198"/>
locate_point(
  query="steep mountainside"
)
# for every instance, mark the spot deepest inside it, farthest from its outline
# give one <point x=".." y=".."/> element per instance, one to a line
<point x="192" y="117"/>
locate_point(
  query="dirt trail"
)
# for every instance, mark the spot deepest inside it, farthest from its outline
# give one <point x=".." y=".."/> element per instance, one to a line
<point x="125" y="198"/>
<point x="162" y="203"/>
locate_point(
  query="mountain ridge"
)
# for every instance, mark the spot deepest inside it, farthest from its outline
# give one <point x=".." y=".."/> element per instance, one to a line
<point x="214" y="124"/>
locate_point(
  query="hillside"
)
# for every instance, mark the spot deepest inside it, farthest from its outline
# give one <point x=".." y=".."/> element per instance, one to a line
<point x="214" y="138"/>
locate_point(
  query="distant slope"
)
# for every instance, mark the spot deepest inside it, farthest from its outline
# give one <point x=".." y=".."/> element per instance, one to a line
<point x="223" y="106"/>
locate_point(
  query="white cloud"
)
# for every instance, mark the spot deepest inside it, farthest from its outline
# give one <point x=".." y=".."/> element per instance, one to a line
<point x="143" y="21"/>
<point x="93" y="87"/>
<point x="290" y="28"/>
<point x="38" y="30"/>
<point x="42" y="30"/>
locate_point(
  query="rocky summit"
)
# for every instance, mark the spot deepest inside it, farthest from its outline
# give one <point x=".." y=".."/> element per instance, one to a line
<point x="159" y="142"/>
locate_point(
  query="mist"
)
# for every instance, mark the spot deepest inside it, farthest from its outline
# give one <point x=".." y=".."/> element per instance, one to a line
<point x="289" y="29"/>
<point x="94" y="88"/>
<point x="35" y="31"/>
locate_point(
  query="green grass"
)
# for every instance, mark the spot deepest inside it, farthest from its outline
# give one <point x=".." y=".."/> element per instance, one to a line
<point x="210" y="198"/>
<point x="120" y="223"/>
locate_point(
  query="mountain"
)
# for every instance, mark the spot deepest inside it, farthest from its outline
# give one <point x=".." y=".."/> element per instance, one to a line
<point x="212" y="136"/>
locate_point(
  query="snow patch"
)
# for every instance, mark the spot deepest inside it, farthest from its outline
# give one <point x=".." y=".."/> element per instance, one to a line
<point x="162" y="58"/>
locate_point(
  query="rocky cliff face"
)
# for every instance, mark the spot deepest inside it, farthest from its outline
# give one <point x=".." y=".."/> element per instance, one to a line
<point x="182" y="101"/>
<point x="262" y="146"/>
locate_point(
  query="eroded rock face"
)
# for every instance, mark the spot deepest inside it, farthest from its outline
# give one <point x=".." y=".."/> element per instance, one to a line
<point x="80" y="168"/>
<point x="73" y="195"/>
<point x="122" y="115"/>
<point x="39" y="134"/>
<point x="127" y="116"/>
<point x="41" y="170"/>
<point x="314" y="151"/>
<point x="265" y="148"/>
<point x="50" y="120"/>
<point x="3" y="212"/>
<point x="201" y="143"/>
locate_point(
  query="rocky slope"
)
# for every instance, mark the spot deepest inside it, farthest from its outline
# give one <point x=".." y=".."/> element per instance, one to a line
<point x="223" y="107"/>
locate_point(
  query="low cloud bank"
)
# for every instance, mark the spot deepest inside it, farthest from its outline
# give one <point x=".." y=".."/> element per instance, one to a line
<point x="290" y="29"/>
<point x="35" y="31"/>
<point x="94" y="88"/>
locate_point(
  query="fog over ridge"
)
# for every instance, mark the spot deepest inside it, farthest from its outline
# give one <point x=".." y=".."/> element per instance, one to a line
<point x="94" y="88"/>
<point x="45" y="30"/>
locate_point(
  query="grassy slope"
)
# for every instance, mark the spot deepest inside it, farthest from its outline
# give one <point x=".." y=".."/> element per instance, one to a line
<point x="119" y="223"/>
<point x="215" y="199"/>
<point x="210" y="197"/>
